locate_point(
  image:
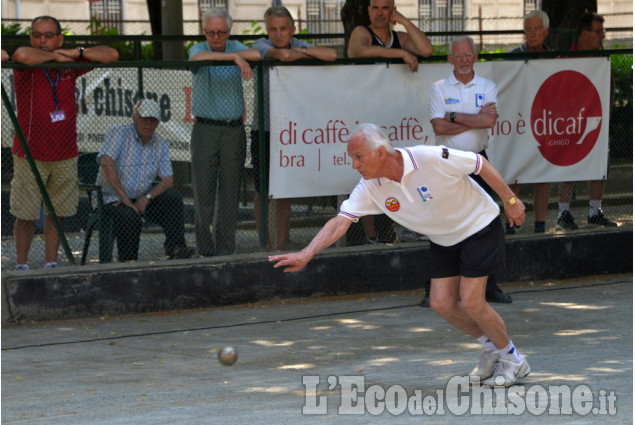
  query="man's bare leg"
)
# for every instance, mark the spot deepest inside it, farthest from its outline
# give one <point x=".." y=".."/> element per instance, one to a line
<point x="472" y="292"/>
<point x="257" y="215"/>
<point x="283" y="220"/>
<point x="541" y="201"/>
<point x="444" y="299"/>
<point x="23" y="231"/>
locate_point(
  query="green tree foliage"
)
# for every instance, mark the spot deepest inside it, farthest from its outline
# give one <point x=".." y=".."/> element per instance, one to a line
<point x="126" y="49"/>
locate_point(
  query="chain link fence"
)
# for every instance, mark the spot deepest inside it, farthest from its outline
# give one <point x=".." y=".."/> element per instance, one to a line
<point x="209" y="119"/>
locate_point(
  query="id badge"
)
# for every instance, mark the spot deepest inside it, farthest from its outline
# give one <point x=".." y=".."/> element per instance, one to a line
<point x="57" y="116"/>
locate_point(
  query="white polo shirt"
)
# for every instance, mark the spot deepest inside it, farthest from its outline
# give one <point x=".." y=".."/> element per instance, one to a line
<point x="451" y="95"/>
<point x="436" y="197"/>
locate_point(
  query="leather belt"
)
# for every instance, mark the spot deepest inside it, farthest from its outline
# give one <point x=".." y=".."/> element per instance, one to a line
<point x="221" y="123"/>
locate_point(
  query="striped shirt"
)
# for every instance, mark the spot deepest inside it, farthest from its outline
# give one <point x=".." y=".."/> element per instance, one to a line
<point x="138" y="165"/>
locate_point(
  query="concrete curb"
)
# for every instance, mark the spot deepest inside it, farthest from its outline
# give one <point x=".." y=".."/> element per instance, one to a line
<point x="117" y="289"/>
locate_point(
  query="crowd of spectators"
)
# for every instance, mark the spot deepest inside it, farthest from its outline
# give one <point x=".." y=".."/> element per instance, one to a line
<point x="47" y="115"/>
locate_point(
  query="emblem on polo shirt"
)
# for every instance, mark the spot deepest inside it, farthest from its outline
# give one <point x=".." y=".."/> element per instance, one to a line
<point x="479" y="100"/>
<point x="424" y="193"/>
<point x="392" y="204"/>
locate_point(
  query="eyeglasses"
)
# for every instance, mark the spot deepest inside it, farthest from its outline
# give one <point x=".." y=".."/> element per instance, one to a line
<point x="218" y="34"/>
<point x="536" y="29"/>
<point x="48" y="35"/>
<point x="467" y="56"/>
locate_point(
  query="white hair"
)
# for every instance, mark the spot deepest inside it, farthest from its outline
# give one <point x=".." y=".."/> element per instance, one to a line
<point x="540" y="14"/>
<point x="217" y="13"/>
<point x="462" y="38"/>
<point x="374" y="136"/>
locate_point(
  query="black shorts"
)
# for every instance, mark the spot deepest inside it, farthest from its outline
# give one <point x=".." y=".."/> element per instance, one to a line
<point x="255" y="159"/>
<point x="481" y="254"/>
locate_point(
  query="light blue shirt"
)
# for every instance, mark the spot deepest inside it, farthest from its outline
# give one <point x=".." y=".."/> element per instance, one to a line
<point x="138" y="165"/>
<point x="263" y="45"/>
<point x="217" y="91"/>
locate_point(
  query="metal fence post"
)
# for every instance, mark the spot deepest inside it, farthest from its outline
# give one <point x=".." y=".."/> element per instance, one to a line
<point x="264" y="167"/>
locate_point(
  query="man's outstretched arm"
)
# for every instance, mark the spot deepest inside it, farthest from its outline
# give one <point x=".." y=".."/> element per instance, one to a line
<point x="334" y="229"/>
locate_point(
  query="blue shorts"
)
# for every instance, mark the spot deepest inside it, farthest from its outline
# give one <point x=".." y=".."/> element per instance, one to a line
<point x="481" y="254"/>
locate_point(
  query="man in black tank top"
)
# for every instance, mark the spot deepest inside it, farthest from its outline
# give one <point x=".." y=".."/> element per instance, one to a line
<point x="394" y="39"/>
<point x="379" y="40"/>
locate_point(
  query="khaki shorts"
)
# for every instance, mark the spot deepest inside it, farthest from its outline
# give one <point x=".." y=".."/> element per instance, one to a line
<point x="60" y="180"/>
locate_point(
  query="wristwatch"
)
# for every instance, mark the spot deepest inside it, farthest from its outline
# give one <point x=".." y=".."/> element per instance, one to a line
<point x="452" y="116"/>
<point x="303" y="48"/>
<point x="149" y="196"/>
<point x="81" y="52"/>
<point x="511" y="201"/>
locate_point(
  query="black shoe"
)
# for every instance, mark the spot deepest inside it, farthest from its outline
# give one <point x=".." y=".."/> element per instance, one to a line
<point x="183" y="252"/>
<point x="425" y="302"/>
<point x="498" y="297"/>
<point x="566" y="222"/>
<point x="600" y="220"/>
<point x="539" y="227"/>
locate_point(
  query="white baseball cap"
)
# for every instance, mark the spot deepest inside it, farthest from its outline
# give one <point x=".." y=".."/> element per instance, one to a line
<point x="148" y="108"/>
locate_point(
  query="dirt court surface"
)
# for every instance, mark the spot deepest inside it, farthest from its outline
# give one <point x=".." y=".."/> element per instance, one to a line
<point x="374" y="358"/>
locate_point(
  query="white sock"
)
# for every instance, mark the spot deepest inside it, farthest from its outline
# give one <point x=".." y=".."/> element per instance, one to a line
<point x="562" y="207"/>
<point x="486" y="343"/>
<point x="594" y="207"/>
<point x="510" y="353"/>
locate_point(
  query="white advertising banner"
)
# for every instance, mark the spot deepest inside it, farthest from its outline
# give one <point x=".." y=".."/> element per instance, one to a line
<point x="551" y="124"/>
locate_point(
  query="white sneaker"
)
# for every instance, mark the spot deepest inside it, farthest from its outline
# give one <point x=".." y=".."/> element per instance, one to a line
<point x="507" y="373"/>
<point x="486" y="365"/>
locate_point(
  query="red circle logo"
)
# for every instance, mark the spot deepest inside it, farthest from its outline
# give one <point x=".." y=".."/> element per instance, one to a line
<point x="392" y="204"/>
<point x="566" y="117"/>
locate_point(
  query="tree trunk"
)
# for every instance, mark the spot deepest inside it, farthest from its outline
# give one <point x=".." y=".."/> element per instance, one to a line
<point x="172" y="24"/>
<point x="154" y="11"/>
<point x="353" y="13"/>
<point x="564" y="17"/>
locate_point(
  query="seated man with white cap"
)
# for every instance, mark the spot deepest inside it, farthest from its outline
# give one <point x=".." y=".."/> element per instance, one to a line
<point x="132" y="158"/>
